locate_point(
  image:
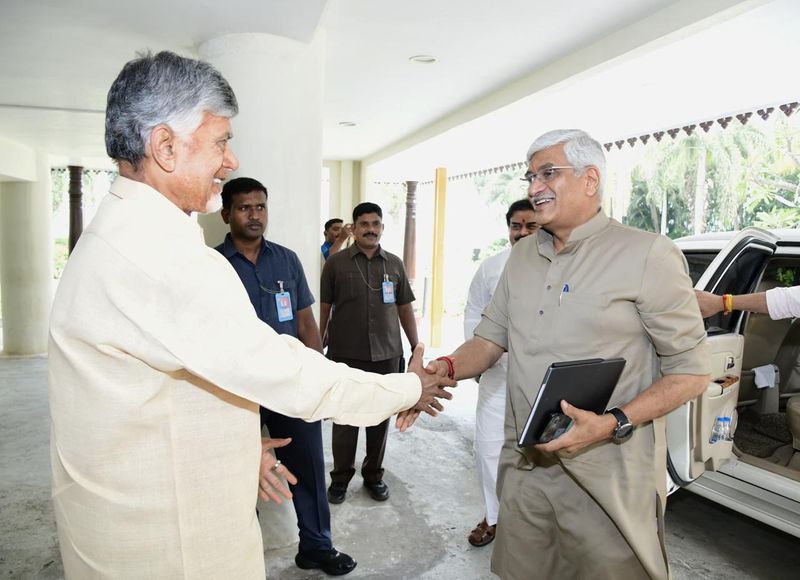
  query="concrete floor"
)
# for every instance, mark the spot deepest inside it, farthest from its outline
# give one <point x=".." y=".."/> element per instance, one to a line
<point x="419" y="533"/>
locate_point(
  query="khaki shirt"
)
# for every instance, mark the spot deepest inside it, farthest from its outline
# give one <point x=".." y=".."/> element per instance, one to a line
<point x="157" y="366"/>
<point x="612" y="291"/>
<point x="362" y="326"/>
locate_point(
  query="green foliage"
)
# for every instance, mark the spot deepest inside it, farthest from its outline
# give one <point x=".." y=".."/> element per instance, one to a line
<point x="785" y="276"/>
<point x="495" y="247"/>
<point x="60" y="255"/>
<point x="641" y="213"/>
<point x="745" y="175"/>
<point x="395" y="193"/>
<point x="59" y="177"/>
<point x="781" y="217"/>
<point x="501" y="189"/>
<point x="646" y="211"/>
<point x="60" y="186"/>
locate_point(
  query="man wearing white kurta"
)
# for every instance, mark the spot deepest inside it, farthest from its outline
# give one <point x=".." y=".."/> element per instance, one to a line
<point x="491" y="407"/>
<point x="158" y="362"/>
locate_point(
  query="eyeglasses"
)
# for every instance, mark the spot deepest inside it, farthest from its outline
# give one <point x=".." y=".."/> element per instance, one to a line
<point x="545" y="175"/>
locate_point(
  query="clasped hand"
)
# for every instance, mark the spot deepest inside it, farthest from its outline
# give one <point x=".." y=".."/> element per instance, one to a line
<point x="270" y="484"/>
<point x="433" y="379"/>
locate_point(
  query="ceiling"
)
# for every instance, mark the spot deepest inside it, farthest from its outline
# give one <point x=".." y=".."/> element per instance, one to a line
<point x="60" y="56"/>
<point x="740" y="62"/>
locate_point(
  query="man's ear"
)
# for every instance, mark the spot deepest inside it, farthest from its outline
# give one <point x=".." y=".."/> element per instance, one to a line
<point x="163" y="147"/>
<point x="592" y="175"/>
<point x="226" y="215"/>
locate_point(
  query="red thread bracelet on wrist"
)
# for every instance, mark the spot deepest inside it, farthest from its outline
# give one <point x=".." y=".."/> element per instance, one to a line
<point x="451" y="370"/>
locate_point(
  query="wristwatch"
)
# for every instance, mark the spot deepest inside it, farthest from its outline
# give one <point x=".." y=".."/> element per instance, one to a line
<point x="624" y="428"/>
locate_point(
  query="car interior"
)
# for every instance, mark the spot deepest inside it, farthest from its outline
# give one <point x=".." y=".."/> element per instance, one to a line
<point x="766" y="425"/>
<point x="767" y="432"/>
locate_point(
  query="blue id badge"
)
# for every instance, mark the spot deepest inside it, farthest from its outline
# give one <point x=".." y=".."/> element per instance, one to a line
<point x="388" y="292"/>
<point x="284" y="303"/>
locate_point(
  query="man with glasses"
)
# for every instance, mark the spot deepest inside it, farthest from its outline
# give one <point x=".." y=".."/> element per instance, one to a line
<point x="276" y="285"/>
<point x="364" y="293"/>
<point x="588" y="504"/>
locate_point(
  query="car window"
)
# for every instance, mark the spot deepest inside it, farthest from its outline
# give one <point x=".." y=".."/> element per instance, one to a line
<point x="780" y="272"/>
<point x="741" y="277"/>
<point x="698" y="262"/>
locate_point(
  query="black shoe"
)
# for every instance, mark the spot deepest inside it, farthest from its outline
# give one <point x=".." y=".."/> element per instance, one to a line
<point x="336" y="493"/>
<point x="378" y="490"/>
<point x="332" y="562"/>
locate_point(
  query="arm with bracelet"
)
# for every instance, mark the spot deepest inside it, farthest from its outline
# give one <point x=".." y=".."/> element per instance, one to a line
<point x="711" y="304"/>
<point x="468" y="360"/>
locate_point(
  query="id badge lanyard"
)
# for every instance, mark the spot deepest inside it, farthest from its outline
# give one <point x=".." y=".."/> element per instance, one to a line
<point x="283" y="302"/>
<point x="387" y="287"/>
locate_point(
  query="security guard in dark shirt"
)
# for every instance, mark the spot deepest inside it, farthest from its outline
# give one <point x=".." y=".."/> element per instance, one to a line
<point x="276" y="284"/>
<point x="364" y="293"/>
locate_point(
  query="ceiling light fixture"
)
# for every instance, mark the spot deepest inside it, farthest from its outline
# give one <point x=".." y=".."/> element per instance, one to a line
<point x="423" y="59"/>
<point x="347" y="124"/>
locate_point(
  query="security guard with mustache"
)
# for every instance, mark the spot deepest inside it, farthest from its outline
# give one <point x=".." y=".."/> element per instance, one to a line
<point x="364" y="293"/>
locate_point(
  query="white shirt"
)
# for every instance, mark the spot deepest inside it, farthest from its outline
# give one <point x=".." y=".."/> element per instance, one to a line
<point x="157" y="366"/>
<point x="481" y="290"/>
<point x="783" y="302"/>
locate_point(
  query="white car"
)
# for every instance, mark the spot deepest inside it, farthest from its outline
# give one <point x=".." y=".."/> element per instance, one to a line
<point x="758" y="473"/>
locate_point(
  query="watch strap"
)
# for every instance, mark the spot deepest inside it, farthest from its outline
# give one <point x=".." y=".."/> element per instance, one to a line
<point x="619" y="415"/>
<point x="624" y="429"/>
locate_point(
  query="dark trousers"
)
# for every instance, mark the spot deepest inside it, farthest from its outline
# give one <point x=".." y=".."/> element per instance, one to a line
<point x="304" y="457"/>
<point x="345" y="437"/>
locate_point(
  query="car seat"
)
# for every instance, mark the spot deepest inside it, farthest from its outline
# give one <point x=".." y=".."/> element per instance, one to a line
<point x="793" y="418"/>
<point x="761" y="347"/>
<point x="788" y="361"/>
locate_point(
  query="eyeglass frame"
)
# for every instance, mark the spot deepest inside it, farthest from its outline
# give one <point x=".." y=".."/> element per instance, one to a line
<point x="536" y="175"/>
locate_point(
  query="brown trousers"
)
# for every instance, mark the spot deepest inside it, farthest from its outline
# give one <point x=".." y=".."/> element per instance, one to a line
<point x="344" y="440"/>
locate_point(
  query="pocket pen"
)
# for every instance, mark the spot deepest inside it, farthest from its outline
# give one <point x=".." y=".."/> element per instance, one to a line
<point x="564" y="290"/>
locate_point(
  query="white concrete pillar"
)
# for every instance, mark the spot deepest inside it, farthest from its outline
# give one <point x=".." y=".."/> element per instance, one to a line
<point x="26" y="263"/>
<point x="277" y="134"/>
<point x="350" y="189"/>
<point x="345" y="188"/>
<point x="278" y="140"/>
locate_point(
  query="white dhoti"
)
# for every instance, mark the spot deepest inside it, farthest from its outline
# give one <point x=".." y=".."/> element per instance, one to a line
<point x="491" y="408"/>
<point x="489" y="418"/>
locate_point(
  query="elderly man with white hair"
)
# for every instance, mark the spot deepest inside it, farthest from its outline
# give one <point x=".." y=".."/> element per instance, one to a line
<point x="588" y="504"/>
<point x="158" y="362"/>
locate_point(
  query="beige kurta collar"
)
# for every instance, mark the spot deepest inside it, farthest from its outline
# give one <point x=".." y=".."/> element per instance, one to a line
<point x="545" y="239"/>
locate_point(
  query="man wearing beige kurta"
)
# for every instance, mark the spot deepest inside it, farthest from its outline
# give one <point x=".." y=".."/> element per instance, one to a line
<point x="590" y="503"/>
<point x="158" y="362"/>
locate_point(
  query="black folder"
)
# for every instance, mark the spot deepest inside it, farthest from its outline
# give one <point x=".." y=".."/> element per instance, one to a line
<point x="586" y="384"/>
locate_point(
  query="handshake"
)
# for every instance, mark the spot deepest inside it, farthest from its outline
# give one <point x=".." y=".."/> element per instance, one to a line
<point x="434" y="377"/>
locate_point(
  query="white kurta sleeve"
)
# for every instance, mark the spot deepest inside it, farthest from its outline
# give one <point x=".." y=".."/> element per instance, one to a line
<point x="193" y="313"/>
<point x="478" y="297"/>
<point x="783" y="302"/>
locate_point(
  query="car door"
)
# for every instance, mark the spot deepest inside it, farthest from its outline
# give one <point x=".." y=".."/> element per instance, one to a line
<point x="735" y="270"/>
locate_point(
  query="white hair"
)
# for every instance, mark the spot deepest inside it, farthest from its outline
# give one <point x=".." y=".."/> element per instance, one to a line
<point x="580" y="150"/>
<point x="162" y="88"/>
